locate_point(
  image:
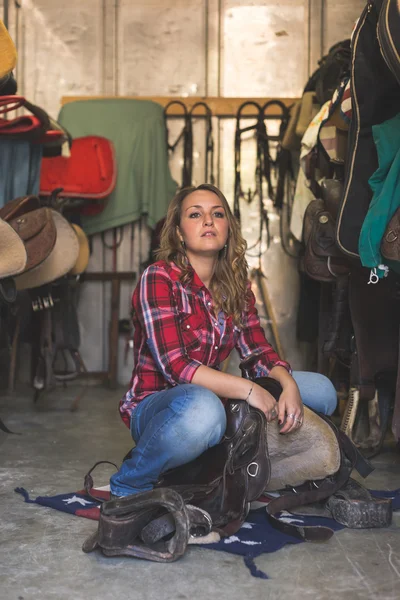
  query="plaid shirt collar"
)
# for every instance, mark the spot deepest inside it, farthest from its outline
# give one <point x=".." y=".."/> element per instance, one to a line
<point x="196" y="283"/>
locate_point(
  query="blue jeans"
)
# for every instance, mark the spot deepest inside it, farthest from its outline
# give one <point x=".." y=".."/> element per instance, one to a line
<point x="174" y="426"/>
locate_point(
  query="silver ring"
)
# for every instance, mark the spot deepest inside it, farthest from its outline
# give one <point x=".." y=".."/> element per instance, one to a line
<point x="291" y="416"/>
<point x="273" y="412"/>
<point x="256" y="469"/>
<point x="299" y="421"/>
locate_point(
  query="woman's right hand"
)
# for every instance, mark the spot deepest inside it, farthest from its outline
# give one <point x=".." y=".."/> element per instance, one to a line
<point x="264" y="401"/>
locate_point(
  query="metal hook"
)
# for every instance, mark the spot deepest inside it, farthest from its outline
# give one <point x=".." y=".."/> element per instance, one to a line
<point x="373" y="277"/>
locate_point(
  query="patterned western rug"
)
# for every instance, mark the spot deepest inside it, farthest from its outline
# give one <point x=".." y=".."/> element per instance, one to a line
<point x="256" y="536"/>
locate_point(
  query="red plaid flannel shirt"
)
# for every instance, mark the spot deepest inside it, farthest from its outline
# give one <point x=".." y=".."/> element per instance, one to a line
<point x="176" y="331"/>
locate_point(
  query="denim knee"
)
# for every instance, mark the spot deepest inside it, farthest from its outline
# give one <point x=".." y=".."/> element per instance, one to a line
<point x="204" y="418"/>
<point x="330" y="395"/>
<point x="327" y="393"/>
<point x="317" y="391"/>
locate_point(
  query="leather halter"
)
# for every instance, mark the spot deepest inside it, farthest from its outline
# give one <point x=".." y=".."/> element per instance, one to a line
<point x="209" y="141"/>
<point x="186" y="136"/>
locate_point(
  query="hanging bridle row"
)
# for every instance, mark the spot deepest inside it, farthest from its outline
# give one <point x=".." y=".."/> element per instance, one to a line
<point x="269" y="171"/>
<point x="264" y="161"/>
<point x="186" y="137"/>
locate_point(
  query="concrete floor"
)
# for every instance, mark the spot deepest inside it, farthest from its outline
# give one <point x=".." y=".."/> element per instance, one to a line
<point x="40" y="550"/>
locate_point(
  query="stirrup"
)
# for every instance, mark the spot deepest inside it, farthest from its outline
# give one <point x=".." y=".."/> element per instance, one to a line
<point x="122" y="521"/>
<point x="200" y="525"/>
<point x="355" y="507"/>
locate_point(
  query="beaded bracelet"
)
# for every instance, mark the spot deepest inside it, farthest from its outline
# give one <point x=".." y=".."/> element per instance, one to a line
<point x="249" y="394"/>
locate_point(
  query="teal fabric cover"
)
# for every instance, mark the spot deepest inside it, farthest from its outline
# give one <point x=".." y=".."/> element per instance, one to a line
<point x="136" y="128"/>
<point x="385" y="185"/>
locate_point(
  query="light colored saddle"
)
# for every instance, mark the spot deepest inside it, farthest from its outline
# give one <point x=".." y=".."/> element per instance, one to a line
<point x="13" y="255"/>
<point x="306" y="454"/>
<point x="59" y="261"/>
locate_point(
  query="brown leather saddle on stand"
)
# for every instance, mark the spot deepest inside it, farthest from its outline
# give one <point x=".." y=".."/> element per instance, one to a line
<point x="323" y="260"/>
<point x="35" y="228"/>
<point x="52" y="251"/>
<point x="28" y="235"/>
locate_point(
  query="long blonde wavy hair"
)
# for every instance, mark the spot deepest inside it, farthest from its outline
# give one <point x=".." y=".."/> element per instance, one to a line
<point x="228" y="284"/>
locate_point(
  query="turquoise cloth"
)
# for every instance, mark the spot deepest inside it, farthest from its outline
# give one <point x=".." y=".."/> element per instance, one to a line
<point x="136" y="128"/>
<point x="385" y="185"/>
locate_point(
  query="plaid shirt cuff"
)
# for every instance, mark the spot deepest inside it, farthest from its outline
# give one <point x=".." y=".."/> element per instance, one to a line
<point x="189" y="369"/>
<point x="260" y="369"/>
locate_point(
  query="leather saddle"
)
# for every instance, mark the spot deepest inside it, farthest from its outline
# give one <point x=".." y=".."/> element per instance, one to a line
<point x="227" y="477"/>
<point x="323" y="260"/>
<point x="390" y="246"/>
<point x="218" y="486"/>
<point x="36" y="233"/>
<point x="34" y="225"/>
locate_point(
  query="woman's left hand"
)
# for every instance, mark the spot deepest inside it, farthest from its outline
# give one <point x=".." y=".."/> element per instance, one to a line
<point x="290" y="409"/>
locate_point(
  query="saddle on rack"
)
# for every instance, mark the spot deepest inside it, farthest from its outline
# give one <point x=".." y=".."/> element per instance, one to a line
<point x="51" y="249"/>
<point x="323" y="261"/>
<point x="13" y="259"/>
<point x="46" y="235"/>
<point x="35" y="226"/>
<point x="29" y="236"/>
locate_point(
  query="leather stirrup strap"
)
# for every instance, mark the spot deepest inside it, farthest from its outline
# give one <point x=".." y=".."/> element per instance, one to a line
<point x="358" y="461"/>
<point x="88" y="481"/>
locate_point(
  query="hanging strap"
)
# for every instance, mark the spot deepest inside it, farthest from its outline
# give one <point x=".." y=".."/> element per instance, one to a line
<point x="88" y="480"/>
<point x="209" y="141"/>
<point x="187" y="139"/>
<point x="118" y="236"/>
<point x="238" y="191"/>
<point x="262" y="172"/>
<point x="281" y="159"/>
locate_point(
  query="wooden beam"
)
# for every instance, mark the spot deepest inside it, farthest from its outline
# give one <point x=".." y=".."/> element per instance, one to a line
<point x="220" y="107"/>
